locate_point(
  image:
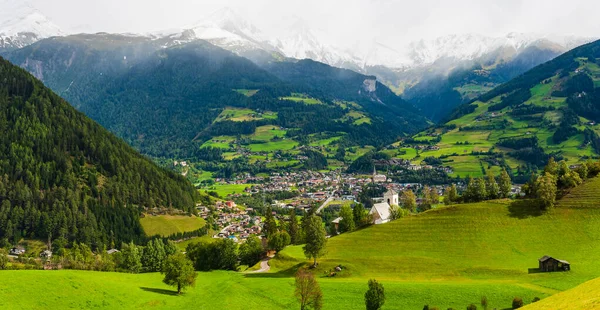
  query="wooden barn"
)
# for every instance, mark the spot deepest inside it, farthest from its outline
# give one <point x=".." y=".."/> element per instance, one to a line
<point x="548" y="264"/>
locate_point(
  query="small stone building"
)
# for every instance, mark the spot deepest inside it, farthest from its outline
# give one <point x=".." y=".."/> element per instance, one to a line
<point x="549" y="264"/>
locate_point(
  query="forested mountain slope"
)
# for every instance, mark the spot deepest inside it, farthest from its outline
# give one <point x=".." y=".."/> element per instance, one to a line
<point x="549" y="111"/>
<point x="174" y="101"/>
<point x="438" y="93"/>
<point x="65" y="178"/>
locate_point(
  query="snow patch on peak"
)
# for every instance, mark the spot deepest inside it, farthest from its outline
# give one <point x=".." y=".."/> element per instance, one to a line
<point x="224" y="28"/>
<point x="302" y="42"/>
<point x="21" y="24"/>
<point x="473" y="46"/>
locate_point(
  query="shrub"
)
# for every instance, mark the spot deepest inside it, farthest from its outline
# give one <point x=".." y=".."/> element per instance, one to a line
<point x="484" y="302"/>
<point x="471" y="307"/>
<point x="517" y="303"/>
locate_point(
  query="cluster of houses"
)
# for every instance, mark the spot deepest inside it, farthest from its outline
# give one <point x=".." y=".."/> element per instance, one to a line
<point x="426" y="147"/>
<point x="180" y="163"/>
<point x="19" y="251"/>
<point x="235" y="223"/>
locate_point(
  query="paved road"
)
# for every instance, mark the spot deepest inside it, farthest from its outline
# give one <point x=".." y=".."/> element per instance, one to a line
<point x="264" y="266"/>
<point x="330" y="199"/>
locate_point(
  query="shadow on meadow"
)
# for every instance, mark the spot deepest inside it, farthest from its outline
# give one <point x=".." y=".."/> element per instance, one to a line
<point x="524" y="208"/>
<point x="533" y="270"/>
<point x="286" y="273"/>
<point x="159" y="291"/>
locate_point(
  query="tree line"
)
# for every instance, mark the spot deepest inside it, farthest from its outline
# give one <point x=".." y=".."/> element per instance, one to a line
<point x="64" y="178"/>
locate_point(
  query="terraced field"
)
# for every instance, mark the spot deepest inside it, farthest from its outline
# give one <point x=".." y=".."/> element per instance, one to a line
<point x="244" y="115"/>
<point x="247" y="92"/>
<point x="481" y="130"/>
<point x="302" y="98"/>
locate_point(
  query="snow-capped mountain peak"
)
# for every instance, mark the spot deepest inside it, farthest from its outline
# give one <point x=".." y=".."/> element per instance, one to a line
<point x="473" y="46"/>
<point x="227" y="20"/>
<point x="229" y="30"/>
<point x="21" y="24"/>
<point x="302" y="42"/>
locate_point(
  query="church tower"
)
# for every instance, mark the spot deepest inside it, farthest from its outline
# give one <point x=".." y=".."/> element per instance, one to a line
<point x="391" y="197"/>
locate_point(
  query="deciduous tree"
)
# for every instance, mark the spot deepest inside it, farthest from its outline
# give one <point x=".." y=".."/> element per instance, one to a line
<point x="546" y="190"/>
<point x="505" y="184"/>
<point x="360" y="215"/>
<point x="131" y="258"/>
<point x="491" y="186"/>
<point x="315" y="239"/>
<point x="409" y="200"/>
<point x="450" y="195"/>
<point x="3" y="259"/>
<point x="279" y="241"/>
<point x="308" y="291"/>
<point x="179" y="271"/>
<point x="251" y="251"/>
<point x="347" y="223"/>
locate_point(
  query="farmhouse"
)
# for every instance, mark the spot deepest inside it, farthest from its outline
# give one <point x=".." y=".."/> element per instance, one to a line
<point x="47" y="254"/>
<point x="336" y="223"/>
<point x="380" y="213"/>
<point x="548" y="264"/>
<point x="17" y="251"/>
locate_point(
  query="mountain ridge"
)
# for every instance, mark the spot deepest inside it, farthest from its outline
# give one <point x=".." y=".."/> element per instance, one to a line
<point x="75" y="180"/>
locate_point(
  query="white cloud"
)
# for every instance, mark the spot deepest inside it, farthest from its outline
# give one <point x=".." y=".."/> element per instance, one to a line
<point x="345" y="23"/>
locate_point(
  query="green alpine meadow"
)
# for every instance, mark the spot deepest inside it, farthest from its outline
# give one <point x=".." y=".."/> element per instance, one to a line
<point x="311" y="155"/>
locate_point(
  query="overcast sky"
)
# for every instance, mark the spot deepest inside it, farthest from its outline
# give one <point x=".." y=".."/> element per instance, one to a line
<point x="343" y="21"/>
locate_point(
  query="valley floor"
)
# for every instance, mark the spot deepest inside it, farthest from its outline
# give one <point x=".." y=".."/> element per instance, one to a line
<point x="446" y="257"/>
<point x="68" y="289"/>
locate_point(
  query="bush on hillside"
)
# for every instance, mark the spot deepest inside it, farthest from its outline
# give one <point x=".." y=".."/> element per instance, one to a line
<point x="517" y="303"/>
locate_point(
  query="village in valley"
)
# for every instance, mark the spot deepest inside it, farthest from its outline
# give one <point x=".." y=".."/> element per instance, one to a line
<point x="235" y="217"/>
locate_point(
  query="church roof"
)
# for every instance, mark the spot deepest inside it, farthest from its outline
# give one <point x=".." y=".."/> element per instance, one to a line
<point x="383" y="209"/>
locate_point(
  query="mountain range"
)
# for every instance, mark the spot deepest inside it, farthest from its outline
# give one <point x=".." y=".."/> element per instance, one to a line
<point x="424" y="72"/>
<point x="229" y="30"/>
<point x="170" y="99"/>
<point x="549" y="111"/>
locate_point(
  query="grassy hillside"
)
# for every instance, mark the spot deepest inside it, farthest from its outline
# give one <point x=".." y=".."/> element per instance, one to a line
<point x="166" y="225"/>
<point x="447" y="257"/>
<point x="68" y="289"/>
<point x="584" y="296"/>
<point x="549" y="104"/>
<point x="491" y="243"/>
